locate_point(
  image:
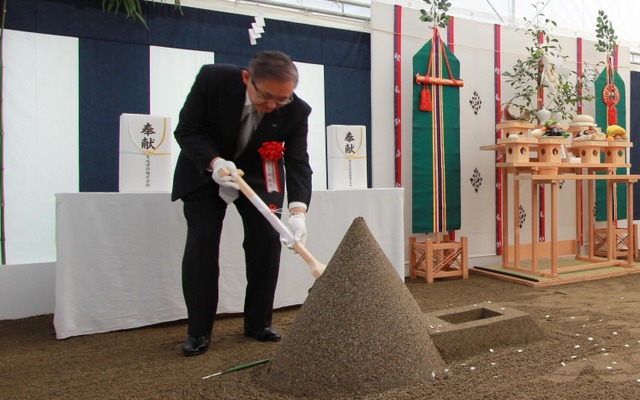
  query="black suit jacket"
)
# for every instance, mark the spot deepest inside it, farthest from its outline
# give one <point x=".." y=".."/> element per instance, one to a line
<point x="208" y="128"/>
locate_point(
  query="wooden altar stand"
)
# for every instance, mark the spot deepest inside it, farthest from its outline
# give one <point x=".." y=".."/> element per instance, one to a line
<point x="559" y="262"/>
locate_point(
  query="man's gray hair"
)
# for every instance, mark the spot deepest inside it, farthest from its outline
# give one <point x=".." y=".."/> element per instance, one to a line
<point x="273" y="65"/>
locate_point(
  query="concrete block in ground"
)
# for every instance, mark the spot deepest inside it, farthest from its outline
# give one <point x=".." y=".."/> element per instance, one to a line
<point x="461" y="332"/>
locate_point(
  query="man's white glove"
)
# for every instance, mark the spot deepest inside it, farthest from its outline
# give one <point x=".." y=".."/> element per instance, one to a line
<point x="298" y="227"/>
<point x="224" y="178"/>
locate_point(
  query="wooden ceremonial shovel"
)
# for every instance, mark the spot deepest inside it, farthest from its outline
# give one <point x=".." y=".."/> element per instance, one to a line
<point x="317" y="268"/>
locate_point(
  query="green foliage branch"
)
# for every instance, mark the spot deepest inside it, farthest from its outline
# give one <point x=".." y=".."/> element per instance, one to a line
<point x="605" y="34"/>
<point x="527" y="75"/>
<point x="436" y="13"/>
<point x="133" y="8"/>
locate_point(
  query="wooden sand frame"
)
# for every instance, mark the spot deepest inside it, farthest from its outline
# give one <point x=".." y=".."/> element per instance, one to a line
<point x="622" y="243"/>
<point x="549" y="169"/>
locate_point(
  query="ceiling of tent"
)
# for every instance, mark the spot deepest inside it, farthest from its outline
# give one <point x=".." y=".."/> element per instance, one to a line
<point x="574" y="17"/>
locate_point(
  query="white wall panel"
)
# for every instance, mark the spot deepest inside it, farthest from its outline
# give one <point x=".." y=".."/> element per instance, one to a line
<point x="172" y="73"/>
<point x="474" y="48"/>
<point x="311" y="89"/>
<point x="40" y="139"/>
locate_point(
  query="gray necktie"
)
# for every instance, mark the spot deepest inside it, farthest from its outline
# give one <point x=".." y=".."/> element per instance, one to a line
<point x="248" y="121"/>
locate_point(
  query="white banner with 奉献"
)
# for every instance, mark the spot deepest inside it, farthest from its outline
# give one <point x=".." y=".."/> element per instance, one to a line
<point x="145" y="153"/>
<point x="347" y="157"/>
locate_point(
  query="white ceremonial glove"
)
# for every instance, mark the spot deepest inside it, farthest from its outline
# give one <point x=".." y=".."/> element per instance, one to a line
<point x="224" y="178"/>
<point x="298" y="227"/>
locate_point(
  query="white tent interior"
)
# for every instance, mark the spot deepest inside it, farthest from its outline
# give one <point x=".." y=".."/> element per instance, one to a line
<point x="27" y="284"/>
<point x="579" y="15"/>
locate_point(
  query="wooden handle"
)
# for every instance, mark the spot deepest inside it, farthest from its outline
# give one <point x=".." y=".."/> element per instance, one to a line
<point x="317" y="268"/>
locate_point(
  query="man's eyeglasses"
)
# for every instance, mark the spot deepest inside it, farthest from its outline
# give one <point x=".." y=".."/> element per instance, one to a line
<point x="267" y="97"/>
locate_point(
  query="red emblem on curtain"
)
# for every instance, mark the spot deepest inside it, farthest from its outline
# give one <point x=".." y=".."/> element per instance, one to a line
<point x="611" y="95"/>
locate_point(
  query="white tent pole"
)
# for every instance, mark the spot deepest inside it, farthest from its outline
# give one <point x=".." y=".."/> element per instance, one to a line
<point x="496" y="12"/>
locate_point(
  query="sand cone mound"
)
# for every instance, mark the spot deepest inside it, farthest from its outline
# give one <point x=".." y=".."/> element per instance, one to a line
<point x="359" y="331"/>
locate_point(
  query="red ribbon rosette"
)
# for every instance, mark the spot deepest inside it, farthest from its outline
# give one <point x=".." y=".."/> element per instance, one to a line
<point x="271" y="152"/>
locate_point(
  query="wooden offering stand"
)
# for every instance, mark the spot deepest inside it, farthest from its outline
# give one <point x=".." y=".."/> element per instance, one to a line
<point x="549" y="168"/>
<point x="614" y="152"/>
<point x="439" y="258"/>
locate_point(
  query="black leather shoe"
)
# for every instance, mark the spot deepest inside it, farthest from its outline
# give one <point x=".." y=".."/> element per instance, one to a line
<point x="194" y="346"/>
<point x="268" y="334"/>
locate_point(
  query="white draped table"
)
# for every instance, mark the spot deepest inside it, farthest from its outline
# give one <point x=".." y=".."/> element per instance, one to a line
<point x="119" y="255"/>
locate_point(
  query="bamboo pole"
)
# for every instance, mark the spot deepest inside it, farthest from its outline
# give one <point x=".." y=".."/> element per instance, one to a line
<point x="2" y="227"/>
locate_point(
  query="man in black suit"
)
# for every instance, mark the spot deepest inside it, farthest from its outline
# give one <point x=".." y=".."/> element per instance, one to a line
<point x="208" y="132"/>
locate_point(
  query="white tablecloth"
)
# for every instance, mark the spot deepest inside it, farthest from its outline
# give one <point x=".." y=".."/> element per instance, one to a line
<point x="119" y="255"/>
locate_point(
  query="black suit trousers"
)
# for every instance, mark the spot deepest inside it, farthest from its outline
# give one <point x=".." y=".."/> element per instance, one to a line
<point x="204" y="211"/>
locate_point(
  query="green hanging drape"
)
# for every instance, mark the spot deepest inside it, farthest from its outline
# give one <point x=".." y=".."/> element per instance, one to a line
<point x="436" y="145"/>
